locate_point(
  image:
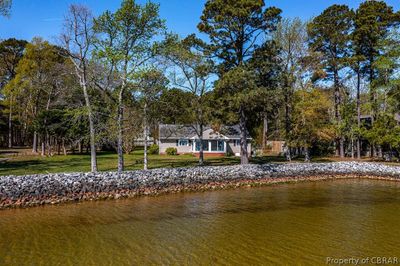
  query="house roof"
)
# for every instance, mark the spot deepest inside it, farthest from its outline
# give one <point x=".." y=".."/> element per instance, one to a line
<point x="188" y="131"/>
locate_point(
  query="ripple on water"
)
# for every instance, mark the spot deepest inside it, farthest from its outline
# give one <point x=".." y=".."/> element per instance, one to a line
<point x="279" y="224"/>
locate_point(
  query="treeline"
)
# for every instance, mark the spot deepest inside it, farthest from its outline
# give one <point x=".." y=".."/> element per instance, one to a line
<point x="329" y="85"/>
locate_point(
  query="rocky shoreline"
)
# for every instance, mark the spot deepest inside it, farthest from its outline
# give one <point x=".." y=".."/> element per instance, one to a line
<point x="33" y="190"/>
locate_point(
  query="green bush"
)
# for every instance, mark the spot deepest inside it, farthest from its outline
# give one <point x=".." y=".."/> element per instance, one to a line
<point x="171" y="151"/>
<point x="153" y="149"/>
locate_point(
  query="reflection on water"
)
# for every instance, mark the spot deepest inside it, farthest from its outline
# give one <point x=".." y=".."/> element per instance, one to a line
<point x="281" y="224"/>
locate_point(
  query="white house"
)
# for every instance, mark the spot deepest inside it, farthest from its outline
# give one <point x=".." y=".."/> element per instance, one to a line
<point x="215" y="143"/>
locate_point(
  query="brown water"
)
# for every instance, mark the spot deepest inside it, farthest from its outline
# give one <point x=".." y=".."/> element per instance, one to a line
<point x="283" y="224"/>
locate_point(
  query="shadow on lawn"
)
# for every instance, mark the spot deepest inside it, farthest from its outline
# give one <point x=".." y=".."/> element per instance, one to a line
<point x="42" y="166"/>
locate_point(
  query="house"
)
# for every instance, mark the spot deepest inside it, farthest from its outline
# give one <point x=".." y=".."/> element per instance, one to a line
<point x="215" y="143"/>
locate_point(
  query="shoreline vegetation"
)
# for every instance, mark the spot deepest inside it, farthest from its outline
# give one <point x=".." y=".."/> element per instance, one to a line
<point x="42" y="189"/>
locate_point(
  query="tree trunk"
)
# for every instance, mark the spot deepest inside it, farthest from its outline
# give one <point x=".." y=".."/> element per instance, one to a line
<point x="34" y="144"/>
<point x="306" y="155"/>
<point x="244" y="157"/>
<point x="288" y="153"/>
<point x="10" y="139"/>
<point x="338" y="117"/>
<point x="43" y="148"/>
<point x="93" y="158"/>
<point x="80" y="146"/>
<point x="201" y="153"/>
<point x="352" y="148"/>
<point x="380" y="152"/>
<point x="358" y="113"/>
<point x="341" y="143"/>
<point x="372" y="90"/>
<point x="63" y="147"/>
<point x="120" y="133"/>
<point x="374" y="152"/>
<point x="47" y="143"/>
<point x="265" y="132"/>
<point x="120" y="150"/>
<point x="287" y="118"/>
<point x="145" y="136"/>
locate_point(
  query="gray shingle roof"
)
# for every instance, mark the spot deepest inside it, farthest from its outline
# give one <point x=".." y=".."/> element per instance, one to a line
<point x="168" y="131"/>
<point x="176" y="131"/>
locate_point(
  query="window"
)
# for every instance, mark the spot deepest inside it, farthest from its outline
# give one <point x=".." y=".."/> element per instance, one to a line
<point x="236" y="142"/>
<point x="205" y="145"/>
<point x="183" y="142"/>
<point x="220" y="145"/>
<point x="217" y="145"/>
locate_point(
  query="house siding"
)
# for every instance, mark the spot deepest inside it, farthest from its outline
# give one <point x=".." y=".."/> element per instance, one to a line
<point x="235" y="149"/>
<point x="230" y="147"/>
<point x="167" y="143"/>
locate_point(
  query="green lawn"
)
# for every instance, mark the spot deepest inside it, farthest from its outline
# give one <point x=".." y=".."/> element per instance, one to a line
<point x="19" y="164"/>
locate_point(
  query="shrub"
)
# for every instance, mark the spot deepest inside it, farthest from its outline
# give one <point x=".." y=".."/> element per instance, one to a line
<point x="171" y="151"/>
<point x="153" y="149"/>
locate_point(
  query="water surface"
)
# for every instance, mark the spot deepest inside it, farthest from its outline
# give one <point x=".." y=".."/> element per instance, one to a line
<point x="281" y="224"/>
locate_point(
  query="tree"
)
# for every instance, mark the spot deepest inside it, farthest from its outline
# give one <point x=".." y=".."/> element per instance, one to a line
<point x="329" y="34"/>
<point x="175" y="104"/>
<point x="124" y="45"/>
<point x="238" y="90"/>
<point x="191" y="71"/>
<point x="149" y="87"/>
<point x="373" y="21"/>
<point x="37" y="81"/>
<point x="234" y="27"/>
<point x="310" y="119"/>
<point x="11" y="51"/>
<point x="267" y="66"/>
<point x="77" y="39"/>
<point x="291" y="38"/>
<point x="5" y="6"/>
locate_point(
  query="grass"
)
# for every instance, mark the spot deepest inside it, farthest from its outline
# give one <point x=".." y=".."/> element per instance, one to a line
<point x="21" y="162"/>
<point x="107" y="161"/>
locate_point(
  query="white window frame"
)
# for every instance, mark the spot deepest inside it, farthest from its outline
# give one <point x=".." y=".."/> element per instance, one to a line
<point x="182" y="145"/>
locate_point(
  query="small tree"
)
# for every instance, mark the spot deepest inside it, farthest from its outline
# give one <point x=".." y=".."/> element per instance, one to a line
<point x="77" y="39"/>
<point x="311" y="122"/>
<point x="149" y="87"/>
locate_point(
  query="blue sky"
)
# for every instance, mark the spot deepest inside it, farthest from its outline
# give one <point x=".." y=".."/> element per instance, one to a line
<point x="30" y="18"/>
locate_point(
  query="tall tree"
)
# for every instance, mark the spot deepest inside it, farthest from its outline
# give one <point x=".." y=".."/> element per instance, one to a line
<point x="11" y="51"/>
<point x="234" y="28"/>
<point x="124" y="44"/>
<point x="373" y="21"/>
<point x="77" y="39"/>
<point x="291" y="38"/>
<point x="267" y="66"/>
<point x="329" y="34"/>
